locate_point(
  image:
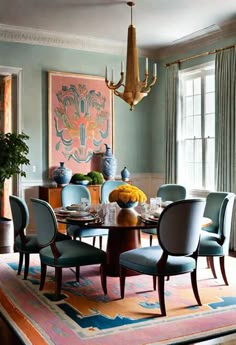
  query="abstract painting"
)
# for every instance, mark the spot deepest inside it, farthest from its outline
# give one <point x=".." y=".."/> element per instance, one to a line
<point x="80" y="120"/>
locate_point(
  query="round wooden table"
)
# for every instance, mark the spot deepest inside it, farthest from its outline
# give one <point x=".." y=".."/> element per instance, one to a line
<point x="124" y="232"/>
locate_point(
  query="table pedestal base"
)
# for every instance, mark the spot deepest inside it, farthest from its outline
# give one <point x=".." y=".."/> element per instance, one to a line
<point x="119" y="241"/>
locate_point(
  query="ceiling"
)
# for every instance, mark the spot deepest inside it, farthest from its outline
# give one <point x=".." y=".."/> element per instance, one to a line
<point x="159" y="23"/>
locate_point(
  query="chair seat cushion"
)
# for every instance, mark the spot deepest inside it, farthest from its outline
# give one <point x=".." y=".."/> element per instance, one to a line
<point x="209" y="245"/>
<point x="74" y="230"/>
<point x="144" y="260"/>
<point x="31" y="245"/>
<point x="150" y="231"/>
<point x="73" y="253"/>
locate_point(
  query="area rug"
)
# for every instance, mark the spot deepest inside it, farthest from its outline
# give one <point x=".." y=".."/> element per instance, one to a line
<point x="84" y="316"/>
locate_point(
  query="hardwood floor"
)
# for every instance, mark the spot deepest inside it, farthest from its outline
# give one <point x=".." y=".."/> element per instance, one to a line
<point x="7" y="335"/>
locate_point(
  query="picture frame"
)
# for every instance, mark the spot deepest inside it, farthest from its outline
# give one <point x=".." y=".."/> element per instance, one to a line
<point x="80" y="120"/>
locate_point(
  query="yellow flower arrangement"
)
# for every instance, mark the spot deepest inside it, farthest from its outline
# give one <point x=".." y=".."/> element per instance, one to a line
<point x="127" y="193"/>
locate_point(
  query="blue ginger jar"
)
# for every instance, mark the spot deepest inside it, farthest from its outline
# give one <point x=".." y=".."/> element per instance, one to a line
<point x="108" y="164"/>
<point x="62" y="175"/>
<point x="125" y="174"/>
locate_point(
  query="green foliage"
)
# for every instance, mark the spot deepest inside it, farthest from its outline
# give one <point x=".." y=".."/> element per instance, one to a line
<point x="13" y="154"/>
<point x="96" y="176"/>
<point x="80" y="177"/>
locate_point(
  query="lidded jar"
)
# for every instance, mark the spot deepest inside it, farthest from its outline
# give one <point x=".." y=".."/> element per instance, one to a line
<point x="62" y="175"/>
<point x="108" y="164"/>
<point x="125" y="174"/>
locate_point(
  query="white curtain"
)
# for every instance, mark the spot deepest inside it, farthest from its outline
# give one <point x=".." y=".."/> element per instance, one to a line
<point x="172" y="91"/>
<point x="225" y="126"/>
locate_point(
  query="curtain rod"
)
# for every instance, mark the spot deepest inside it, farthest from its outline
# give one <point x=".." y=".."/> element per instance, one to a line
<point x="199" y="55"/>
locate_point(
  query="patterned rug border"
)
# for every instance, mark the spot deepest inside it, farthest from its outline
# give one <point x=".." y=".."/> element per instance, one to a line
<point x="36" y="333"/>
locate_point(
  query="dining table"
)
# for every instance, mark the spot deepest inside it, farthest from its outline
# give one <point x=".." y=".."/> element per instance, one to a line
<point x="124" y="228"/>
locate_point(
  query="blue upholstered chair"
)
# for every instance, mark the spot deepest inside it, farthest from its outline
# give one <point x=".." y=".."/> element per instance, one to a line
<point x="25" y="244"/>
<point x="168" y="192"/>
<point x="107" y="187"/>
<point x="63" y="254"/>
<point x="215" y="237"/>
<point x="178" y="233"/>
<point x="72" y="194"/>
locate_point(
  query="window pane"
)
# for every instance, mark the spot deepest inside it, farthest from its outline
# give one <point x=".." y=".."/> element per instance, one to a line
<point x="198" y="151"/>
<point x="210" y="125"/>
<point x="198" y="175"/>
<point x="210" y="83"/>
<point x="189" y="105"/>
<point x="197" y="105"/>
<point x="189" y="87"/>
<point x="197" y="126"/>
<point x="189" y="133"/>
<point x="197" y="86"/>
<point x="189" y="150"/>
<point x="210" y="103"/>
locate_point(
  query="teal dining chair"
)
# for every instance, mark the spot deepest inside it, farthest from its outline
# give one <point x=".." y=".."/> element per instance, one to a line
<point x="107" y="187"/>
<point x="63" y="254"/>
<point x="168" y="192"/>
<point x="177" y="252"/>
<point x="73" y="194"/>
<point x="215" y="238"/>
<point x="24" y="243"/>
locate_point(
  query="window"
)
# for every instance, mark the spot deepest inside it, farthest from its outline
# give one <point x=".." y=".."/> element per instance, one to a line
<point x="196" y="128"/>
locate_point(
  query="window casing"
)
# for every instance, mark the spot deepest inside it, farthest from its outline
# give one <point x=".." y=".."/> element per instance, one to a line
<point x="196" y="128"/>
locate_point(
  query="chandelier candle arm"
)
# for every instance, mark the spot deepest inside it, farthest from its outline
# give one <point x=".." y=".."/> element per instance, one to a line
<point x="134" y="89"/>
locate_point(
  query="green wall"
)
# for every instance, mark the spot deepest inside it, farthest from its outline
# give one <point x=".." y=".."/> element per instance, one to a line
<point x="139" y="136"/>
<point x="132" y="129"/>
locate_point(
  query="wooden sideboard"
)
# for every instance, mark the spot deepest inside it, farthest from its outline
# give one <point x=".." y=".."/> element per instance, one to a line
<point x="53" y="194"/>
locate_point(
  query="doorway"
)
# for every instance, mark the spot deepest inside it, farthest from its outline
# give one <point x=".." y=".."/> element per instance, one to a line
<point x="10" y="79"/>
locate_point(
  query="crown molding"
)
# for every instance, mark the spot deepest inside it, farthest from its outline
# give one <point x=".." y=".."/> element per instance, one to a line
<point x="56" y="39"/>
<point x="226" y="30"/>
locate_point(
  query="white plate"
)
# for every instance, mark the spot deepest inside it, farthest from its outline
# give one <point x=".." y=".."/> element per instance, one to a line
<point x="81" y="219"/>
<point x="81" y="214"/>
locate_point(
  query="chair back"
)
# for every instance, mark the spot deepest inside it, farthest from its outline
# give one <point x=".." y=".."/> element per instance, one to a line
<point x="72" y="194"/>
<point x="107" y="188"/>
<point x="179" y="227"/>
<point x="20" y="215"/>
<point x="219" y="208"/>
<point x="45" y="221"/>
<point x="172" y="192"/>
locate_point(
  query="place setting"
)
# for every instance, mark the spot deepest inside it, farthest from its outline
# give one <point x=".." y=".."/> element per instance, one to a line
<point x="81" y="213"/>
<point x="150" y="213"/>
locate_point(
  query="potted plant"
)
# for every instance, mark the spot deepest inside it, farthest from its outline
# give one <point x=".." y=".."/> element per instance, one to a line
<point x="13" y="154"/>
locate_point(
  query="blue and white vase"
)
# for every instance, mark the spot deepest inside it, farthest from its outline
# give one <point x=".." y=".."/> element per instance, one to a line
<point x="125" y="174"/>
<point x="62" y="175"/>
<point x="108" y="164"/>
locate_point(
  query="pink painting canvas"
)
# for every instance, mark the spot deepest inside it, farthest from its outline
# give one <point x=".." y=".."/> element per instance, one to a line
<point x="80" y="120"/>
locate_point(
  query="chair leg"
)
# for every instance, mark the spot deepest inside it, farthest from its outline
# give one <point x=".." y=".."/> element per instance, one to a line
<point x="212" y="266"/>
<point x="103" y="275"/>
<point x="154" y="278"/>
<point x="194" y="286"/>
<point x="77" y="273"/>
<point x="21" y="258"/>
<point x="150" y="240"/>
<point x="122" y="281"/>
<point x="94" y="240"/>
<point x="100" y="242"/>
<point x="26" y="271"/>
<point x="58" y="280"/>
<point x="222" y="268"/>
<point x="161" y="294"/>
<point x="42" y="276"/>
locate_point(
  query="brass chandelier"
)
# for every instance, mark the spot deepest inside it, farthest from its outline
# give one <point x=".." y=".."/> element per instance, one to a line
<point x="134" y="89"/>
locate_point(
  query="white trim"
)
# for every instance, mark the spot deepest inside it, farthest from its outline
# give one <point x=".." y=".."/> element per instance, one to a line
<point x="57" y="39"/>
